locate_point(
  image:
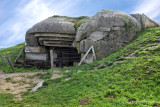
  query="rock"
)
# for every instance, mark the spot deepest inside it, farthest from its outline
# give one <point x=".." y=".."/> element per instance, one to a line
<point x="79" y="72"/>
<point x="68" y="71"/>
<point x="67" y="78"/>
<point x="56" y="74"/>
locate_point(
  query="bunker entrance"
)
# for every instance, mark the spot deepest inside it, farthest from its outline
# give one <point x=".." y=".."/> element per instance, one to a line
<point x="65" y="56"/>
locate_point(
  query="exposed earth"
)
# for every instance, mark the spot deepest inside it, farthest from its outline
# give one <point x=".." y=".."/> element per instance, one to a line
<point x="17" y="83"/>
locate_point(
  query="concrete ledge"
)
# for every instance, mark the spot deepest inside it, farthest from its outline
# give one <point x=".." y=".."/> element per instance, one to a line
<point x="35" y="49"/>
<point x="35" y="56"/>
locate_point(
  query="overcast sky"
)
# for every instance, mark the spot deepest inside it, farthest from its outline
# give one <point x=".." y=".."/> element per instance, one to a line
<point x="16" y="16"/>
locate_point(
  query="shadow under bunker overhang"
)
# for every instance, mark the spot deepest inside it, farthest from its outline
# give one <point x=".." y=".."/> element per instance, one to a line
<point x="64" y="52"/>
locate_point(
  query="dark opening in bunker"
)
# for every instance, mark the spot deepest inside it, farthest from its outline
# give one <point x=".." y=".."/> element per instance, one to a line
<point x="65" y="56"/>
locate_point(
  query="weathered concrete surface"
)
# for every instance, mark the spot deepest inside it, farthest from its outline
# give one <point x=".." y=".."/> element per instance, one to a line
<point x="39" y="56"/>
<point x="30" y="39"/>
<point x="35" y="49"/>
<point x="107" y="31"/>
<point x="55" y="24"/>
<point x="59" y="28"/>
<point x="149" y="23"/>
<point x="51" y="32"/>
<point x="37" y="53"/>
<point x="145" y="21"/>
<point x="104" y="21"/>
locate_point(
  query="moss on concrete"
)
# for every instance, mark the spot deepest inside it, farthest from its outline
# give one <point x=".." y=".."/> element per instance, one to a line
<point x="78" y="20"/>
<point x="128" y="24"/>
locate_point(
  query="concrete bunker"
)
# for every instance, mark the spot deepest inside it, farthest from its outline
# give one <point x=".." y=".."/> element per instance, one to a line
<point x="106" y="31"/>
<point x="56" y="34"/>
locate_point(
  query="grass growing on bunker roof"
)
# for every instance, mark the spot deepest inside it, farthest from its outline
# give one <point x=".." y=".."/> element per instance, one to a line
<point x="78" y="22"/>
<point x="133" y="82"/>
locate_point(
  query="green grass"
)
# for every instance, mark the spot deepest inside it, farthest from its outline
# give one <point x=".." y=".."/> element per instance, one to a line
<point x="6" y="99"/>
<point x="13" y="52"/>
<point x="78" y="22"/>
<point x="136" y="79"/>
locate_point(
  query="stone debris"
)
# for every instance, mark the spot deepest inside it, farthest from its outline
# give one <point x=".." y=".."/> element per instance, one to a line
<point x="79" y="71"/>
<point x="68" y="78"/>
<point x="40" y="84"/>
<point x="68" y="71"/>
<point x="56" y="74"/>
<point x="132" y="55"/>
<point x="116" y="62"/>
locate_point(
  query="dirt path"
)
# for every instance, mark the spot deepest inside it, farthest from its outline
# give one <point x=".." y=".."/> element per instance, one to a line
<point x="16" y="83"/>
<point x="1" y="72"/>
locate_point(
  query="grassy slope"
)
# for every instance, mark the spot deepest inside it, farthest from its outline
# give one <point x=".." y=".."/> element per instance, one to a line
<point x="13" y="52"/>
<point x="134" y="79"/>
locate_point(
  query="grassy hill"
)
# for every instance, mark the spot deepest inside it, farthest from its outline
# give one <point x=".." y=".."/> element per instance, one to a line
<point x="128" y="77"/>
<point x="13" y="52"/>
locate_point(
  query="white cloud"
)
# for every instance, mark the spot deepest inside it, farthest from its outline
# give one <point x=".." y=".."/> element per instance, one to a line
<point x="26" y="15"/>
<point x="149" y="7"/>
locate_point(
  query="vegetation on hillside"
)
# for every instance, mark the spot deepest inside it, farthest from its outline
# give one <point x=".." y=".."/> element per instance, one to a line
<point x="13" y="52"/>
<point x="128" y="77"/>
